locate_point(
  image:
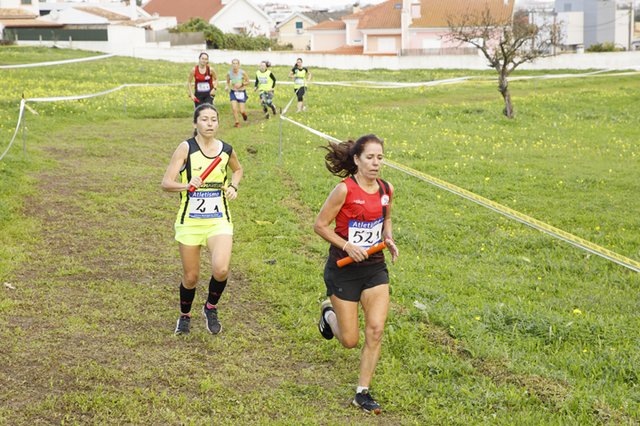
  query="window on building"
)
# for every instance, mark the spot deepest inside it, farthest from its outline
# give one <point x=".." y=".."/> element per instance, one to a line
<point x="386" y="44"/>
<point x="25" y="1"/>
<point x="298" y="25"/>
<point x="431" y="43"/>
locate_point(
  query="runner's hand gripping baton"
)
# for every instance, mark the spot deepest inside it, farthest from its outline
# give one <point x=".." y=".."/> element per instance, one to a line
<point x="373" y="249"/>
<point x="206" y="172"/>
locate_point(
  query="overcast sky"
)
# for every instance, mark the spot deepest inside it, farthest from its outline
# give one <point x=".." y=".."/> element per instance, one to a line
<point x="334" y="4"/>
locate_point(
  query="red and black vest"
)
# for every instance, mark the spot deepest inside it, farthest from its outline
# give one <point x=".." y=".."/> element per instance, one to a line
<point x="203" y="81"/>
<point x="361" y="218"/>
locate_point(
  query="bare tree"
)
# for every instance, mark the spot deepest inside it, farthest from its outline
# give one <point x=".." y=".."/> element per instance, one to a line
<point x="505" y="42"/>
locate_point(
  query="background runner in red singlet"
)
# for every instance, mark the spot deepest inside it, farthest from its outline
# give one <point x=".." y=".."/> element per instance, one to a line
<point x="202" y="82"/>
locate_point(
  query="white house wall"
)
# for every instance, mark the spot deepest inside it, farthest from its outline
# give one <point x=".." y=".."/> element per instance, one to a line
<point x="384" y="43"/>
<point x="242" y="15"/>
<point x="70" y="16"/>
<point x="124" y="38"/>
<point x="17" y="4"/>
<point x="354" y="36"/>
<point x="599" y="18"/>
<point x="326" y="40"/>
<point x="248" y="59"/>
<point x="162" y="23"/>
<point x="288" y="33"/>
<point x="571" y="24"/>
<point x="622" y="28"/>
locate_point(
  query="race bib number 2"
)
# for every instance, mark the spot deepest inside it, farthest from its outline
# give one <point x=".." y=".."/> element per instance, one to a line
<point x="365" y="234"/>
<point x="206" y="205"/>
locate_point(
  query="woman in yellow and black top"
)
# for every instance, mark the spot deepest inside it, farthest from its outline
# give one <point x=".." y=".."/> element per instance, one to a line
<point x="266" y="84"/>
<point x="203" y="217"/>
<point x="301" y="76"/>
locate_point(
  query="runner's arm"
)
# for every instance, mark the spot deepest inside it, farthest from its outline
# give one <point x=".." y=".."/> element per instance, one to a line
<point x="245" y="80"/>
<point x="387" y="233"/>
<point x="178" y="160"/>
<point x="236" y="176"/>
<point x="189" y="83"/>
<point x="214" y="81"/>
<point x="327" y="215"/>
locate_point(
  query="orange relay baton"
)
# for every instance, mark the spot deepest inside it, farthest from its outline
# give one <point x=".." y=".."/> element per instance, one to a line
<point x="206" y="172"/>
<point x="373" y="249"/>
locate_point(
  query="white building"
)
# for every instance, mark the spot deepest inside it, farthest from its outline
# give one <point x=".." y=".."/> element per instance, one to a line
<point x="602" y="21"/>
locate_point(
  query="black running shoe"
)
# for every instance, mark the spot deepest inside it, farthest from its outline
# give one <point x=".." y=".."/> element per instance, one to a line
<point x="365" y="401"/>
<point x="244" y="116"/>
<point x="211" y="318"/>
<point x="323" y="325"/>
<point x="182" y="326"/>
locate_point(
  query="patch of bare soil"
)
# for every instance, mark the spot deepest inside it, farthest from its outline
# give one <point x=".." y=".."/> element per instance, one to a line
<point x="83" y="267"/>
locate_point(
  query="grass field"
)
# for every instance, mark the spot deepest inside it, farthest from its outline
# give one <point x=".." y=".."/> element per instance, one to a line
<point x="491" y="322"/>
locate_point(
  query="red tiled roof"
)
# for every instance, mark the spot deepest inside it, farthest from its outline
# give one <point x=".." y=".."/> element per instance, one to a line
<point x="112" y="16"/>
<point x="28" y="23"/>
<point x="329" y="25"/>
<point x="343" y="50"/>
<point x="184" y="10"/>
<point x="384" y="15"/>
<point x="352" y="50"/>
<point x="9" y="13"/>
<point x="436" y="13"/>
<point x="348" y="50"/>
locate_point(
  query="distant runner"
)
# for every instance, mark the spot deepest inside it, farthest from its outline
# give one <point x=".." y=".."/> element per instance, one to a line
<point x="301" y="76"/>
<point x="265" y="83"/>
<point x="237" y="83"/>
<point x="206" y="82"/>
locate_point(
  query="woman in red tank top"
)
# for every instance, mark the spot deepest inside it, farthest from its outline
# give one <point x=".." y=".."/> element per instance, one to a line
<point x="202" y="82"/>
<point x="360" y="205"/>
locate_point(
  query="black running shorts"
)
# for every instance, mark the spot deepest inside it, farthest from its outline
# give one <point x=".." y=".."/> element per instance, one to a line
<point x="349" y="282"/>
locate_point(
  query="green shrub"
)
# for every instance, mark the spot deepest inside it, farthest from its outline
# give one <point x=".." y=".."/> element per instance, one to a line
<point x="216" y="39"/>
<point x="246" y="42"/>
<point x="604" y="47"/>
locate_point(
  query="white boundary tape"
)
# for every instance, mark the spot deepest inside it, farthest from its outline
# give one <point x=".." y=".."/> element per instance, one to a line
<point x="20" y="114"/>
<point x="94" y="95"/>
<point x="47" y="64"/>
<point x="510" y="213"/>
<point x="498" y="208"/>
<point x="520" y="217"/>
<point x="23" y="103"/>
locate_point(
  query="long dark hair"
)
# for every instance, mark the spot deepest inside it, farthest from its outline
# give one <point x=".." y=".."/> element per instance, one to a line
<point x="197" y="112"/>
<point x="339" y="158"/>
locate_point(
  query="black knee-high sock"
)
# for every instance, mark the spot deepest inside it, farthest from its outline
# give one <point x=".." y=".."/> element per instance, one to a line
<point x="186" y="299"/>
<point x="215" y="290"/>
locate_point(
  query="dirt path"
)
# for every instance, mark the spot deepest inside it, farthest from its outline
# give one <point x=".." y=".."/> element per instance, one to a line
<point x="93" y="340"/>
